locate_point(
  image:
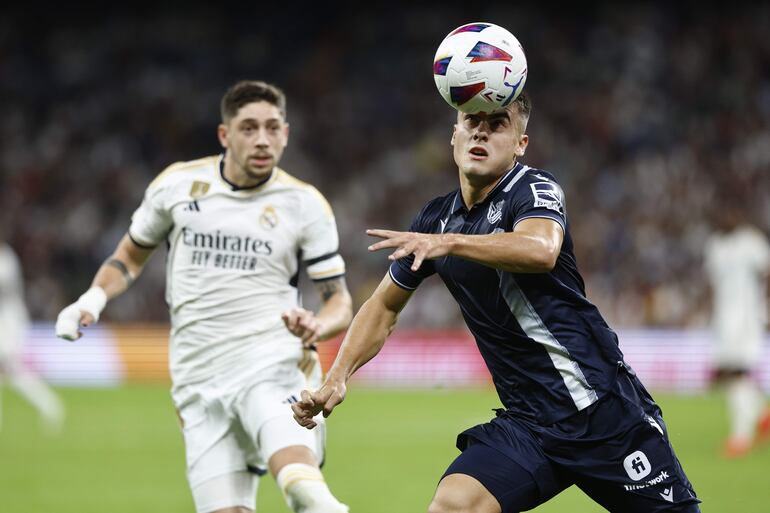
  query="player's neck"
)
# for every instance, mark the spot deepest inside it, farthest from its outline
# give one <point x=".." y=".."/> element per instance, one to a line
<point x="475" y="188"/>
<point x="240" y="178"/>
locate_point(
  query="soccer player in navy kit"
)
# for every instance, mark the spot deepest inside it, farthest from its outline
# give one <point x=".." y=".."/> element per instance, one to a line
<point x="575" y="412"/>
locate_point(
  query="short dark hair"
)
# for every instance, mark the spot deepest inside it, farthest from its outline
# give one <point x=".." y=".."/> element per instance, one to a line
<point x="524" y="108"/>
<point x="250" y="91"/>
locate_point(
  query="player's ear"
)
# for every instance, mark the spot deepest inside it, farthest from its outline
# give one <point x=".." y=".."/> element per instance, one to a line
<point x="222" y="134"/>
<point x="521" y="148"/>
<point x="454" y="131"/>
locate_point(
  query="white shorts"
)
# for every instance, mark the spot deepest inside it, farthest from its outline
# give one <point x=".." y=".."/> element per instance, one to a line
<point x="228" y="432"/>
<point x="738" y="346"/>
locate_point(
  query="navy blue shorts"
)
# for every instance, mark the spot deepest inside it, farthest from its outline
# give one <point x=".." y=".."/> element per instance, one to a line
<point x="617" y="451"/>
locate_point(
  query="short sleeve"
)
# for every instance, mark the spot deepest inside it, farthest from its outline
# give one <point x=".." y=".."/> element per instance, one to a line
<point x="401" y="270"/>
<point x="319" y="239"/>
<point x="542" y="197"/>
<point x="151" y="222"/>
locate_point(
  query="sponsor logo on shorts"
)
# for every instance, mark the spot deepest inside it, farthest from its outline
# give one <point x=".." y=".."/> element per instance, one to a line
<point x="651" y="482"/>
<point x="655" y="424"/>
<point x="637" y="465"/>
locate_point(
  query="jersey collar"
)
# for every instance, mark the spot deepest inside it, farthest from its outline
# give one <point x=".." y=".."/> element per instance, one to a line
<point x="458" y="204"/>
<point x="235" y="187"/>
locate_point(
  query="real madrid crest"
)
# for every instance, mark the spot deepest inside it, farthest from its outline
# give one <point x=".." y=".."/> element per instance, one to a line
<point x="269" y="218"/>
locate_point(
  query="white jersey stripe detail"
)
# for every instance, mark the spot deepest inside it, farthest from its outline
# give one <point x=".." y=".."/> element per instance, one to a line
<point x="516" y="178"/>
<point x="581" y="392"/>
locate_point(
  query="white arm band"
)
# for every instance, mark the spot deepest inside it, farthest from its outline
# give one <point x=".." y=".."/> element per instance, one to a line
<point x="93" y="302"/>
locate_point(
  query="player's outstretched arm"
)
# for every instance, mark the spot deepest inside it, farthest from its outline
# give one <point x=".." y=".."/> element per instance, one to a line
<point x="113" y="277"/>
<point x="334" y="315"/>
<point x="532" y="247"/>
<point x="372" y="324"/>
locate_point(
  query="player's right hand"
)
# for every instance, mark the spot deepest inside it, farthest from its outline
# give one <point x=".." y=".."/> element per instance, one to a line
<point x="323" y="400"/>
<point x="83" y="312"/>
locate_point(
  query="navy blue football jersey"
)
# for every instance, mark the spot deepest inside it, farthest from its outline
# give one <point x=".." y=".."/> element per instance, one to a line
<point x="548" y="348"/>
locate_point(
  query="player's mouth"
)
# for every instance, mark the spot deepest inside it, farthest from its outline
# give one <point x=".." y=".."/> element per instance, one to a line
<point x="478" y="153"/>
<point x="261" y="160"/>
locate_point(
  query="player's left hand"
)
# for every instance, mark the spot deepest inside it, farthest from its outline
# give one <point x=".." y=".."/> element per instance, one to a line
<point x="303" y="324"/>
<point x="421" y="245"/>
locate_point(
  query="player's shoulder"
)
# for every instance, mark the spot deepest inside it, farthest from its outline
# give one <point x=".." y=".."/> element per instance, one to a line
<point x="534" y="174"/>
<point x="437" y="208"/>
<point x="187" y="170"/>
<point x="754" y="240"/>
<point x="533" y="188"/>
<point x="288" y="182"/>
<point x="524" y="180"/>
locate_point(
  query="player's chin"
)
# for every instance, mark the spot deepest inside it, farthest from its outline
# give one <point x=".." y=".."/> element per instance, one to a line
<point x="479" y="168"/>
<point x="261" y="171"/>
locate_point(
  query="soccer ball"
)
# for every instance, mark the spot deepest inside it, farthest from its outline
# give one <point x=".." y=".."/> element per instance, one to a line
<point x="480" y="67"/>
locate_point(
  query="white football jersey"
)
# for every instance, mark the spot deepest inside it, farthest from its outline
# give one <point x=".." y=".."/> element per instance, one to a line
<point x="13" y="312"/>
<point x="737" y="264"/>
<point x="232" y="265"/>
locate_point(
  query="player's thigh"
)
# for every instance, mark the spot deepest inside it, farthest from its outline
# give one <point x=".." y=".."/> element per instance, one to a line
<point x="265" y="414"/>
<point x="213" y="445"/>
<point x="460" y="493"/>
<point x="483" y="479"/>
<point x="282" y="441"/>
<point x="234" y="492"/>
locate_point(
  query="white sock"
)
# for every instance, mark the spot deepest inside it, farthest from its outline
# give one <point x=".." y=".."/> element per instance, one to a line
<point x="305" y="490"/>
<point x="744" y="404"/>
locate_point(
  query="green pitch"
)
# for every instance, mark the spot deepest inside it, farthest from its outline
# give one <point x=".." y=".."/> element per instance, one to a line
<point x="121" y="451"/>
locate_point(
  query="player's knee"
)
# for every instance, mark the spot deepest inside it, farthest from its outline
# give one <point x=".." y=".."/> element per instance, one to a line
<point x="305" y="490"/>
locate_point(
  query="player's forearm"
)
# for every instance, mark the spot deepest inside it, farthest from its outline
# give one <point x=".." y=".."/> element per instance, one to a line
<point x="119" y="271"/>
<point x="510" y="251"/>
<point x="365" y="338"/>
<point x="335" y="314"/>
<point x="111" y="280"/>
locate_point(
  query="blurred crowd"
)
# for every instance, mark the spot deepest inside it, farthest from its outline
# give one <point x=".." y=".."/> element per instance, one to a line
<point x="650" y="116"/>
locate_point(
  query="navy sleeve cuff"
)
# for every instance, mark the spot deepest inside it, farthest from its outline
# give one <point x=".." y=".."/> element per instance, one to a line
<point x="404" y="278"/>
<point x="547" y="214"/>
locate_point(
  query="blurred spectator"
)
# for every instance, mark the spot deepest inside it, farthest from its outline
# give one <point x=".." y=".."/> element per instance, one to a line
<point x="652" y="106"/>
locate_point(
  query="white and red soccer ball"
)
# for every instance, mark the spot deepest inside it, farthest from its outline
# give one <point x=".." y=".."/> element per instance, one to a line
<point x="480" y="67"/>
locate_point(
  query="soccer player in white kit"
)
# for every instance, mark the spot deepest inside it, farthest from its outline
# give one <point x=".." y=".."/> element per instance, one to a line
<point x="241" y="347"/>
<point x="14" y="321"/>
<point x="737" y="260"/>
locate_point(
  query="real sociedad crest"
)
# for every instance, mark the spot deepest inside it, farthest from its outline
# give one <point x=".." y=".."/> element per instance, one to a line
<point x="495" y="212"/>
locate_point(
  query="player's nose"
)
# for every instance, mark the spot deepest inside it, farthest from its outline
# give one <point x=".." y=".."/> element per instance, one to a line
<point x="481" y="133"/>
<point x="261" y="139"/>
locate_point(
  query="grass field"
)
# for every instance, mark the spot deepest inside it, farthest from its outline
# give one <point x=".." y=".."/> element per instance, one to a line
<point x="121" y="451"/>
